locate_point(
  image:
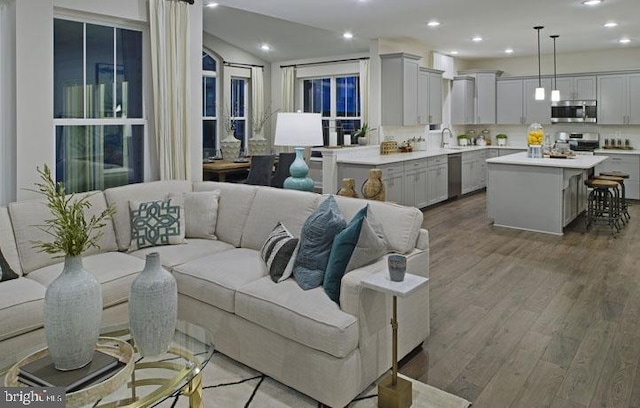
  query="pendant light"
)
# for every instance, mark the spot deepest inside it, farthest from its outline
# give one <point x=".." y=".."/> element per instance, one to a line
<point x="555" y="93"/>
<point x="539" y="90"/>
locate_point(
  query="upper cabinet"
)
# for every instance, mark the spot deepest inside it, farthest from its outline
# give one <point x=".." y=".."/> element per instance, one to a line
<point x="577" y="87"/>
<point x="537" y="111"/>
<point x="407" y="89"/>
<point x="517" y="105"/>
<point x="619" y="99"/>
<point x="483" y="93"/>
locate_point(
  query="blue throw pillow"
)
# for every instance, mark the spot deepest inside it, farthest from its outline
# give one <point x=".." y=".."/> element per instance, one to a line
<point x="316" y="238"/>
<point x="341" y="251"/>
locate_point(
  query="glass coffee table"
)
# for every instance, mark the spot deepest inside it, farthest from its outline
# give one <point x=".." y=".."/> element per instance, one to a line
<point x="152" y="379"/>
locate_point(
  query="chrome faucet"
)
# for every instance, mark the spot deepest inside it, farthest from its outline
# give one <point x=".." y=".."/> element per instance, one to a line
<point x="442" y="136"/>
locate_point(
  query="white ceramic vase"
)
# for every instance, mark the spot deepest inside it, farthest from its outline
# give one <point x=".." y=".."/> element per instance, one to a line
<point x="153" y="308"/>
<point x="72" y="315"/>
<point x="257" y="144"/>
<point x="230" y="147"/>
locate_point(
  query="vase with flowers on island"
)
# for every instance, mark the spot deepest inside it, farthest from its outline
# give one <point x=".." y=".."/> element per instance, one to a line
<point x="73" y="301"/>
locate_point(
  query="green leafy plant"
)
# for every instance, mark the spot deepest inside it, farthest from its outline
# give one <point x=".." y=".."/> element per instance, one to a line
<point x="72" y="232"/>
<point x="501" y="136"/>
<point x="363" y="131"/>
<point x="462" y="136"/>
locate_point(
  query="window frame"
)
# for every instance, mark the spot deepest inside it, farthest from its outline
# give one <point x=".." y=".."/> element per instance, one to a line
<point x="216" y="108"/>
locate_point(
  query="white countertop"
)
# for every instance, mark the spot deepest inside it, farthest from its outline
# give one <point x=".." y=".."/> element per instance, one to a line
<point x="579" y="162"/>
<point x="616" y="151"/>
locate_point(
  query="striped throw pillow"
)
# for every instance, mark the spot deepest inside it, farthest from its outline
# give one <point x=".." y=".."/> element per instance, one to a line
<point x="277" y="252"/>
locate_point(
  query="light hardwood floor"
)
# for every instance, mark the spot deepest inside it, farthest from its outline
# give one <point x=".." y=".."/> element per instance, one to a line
<point x="522" y="319"/>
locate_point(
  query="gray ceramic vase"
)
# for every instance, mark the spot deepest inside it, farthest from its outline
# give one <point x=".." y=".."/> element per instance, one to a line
<point x="153" y="308"/>
<point x="72" y="315"/>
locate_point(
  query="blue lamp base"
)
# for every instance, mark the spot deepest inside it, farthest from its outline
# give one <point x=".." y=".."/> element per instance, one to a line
<point x="299" y="170"/>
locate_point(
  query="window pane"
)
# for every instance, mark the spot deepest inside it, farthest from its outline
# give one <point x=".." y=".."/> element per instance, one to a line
<point x="68" y="90"/>
<point x="317" y="96"/>
<point x="237" y="97"/>
<point x="99" y="157"/>
<point x="208" y="63"/>
<point x="347" y="97"/>
<point x="209" y="136"/>
<point x="100" y="71"/>
<point x="128" y="73"/>
<point x="240" y="132"/>
<point x="209" y="97"/>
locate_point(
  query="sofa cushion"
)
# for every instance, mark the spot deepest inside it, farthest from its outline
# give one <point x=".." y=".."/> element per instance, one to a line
<point x="371" y="243"/>
<point x="233" y="208"/>
<point x="193" y="248"/>
<point x="307" y="317"/>
<point x="341" y="250"/>
<point x="119" y="197"/>
<point x="8" y="242"/>
<point x="277" y="251"/>
<point x="200" y="212"/>
<point x="21" y="307"/>
<point x="114" y="270"/>
<point x="316" y="239"/>
<point x="156" y="223"/>
<point x="214" y="279"/>
<point x="26" y="215"/>
<point x="273" y="205"/>
<point x="401" y="225"/>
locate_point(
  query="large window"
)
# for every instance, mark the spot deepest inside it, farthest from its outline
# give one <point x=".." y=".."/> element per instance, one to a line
<point x="209" y="105"/>
<point x="98" y="111"/>
<point x="338" y="100"/>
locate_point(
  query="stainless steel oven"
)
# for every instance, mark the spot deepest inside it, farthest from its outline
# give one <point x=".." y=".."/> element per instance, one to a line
<point x="574" y="111"/>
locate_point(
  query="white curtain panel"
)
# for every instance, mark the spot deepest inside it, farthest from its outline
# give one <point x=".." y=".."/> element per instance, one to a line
<point x="257" y="94"/>
<point x="288" y="89"/>
<point x="171" y="86"/>
<point x="364" y="90"/>
<point x="7" y="103"/>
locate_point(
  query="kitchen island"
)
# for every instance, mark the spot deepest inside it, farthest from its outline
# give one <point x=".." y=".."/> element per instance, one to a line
<point x="542" y="195"/>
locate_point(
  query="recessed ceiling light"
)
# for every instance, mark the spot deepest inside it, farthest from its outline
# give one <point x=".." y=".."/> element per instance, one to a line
<point x="212" y="5"/>
<point x="624" y="41"/>
<point x="591" y="2"/>
<point x="476" y="39"/>
<point x="509" y="50"/>
<point x="265" y="47"/>
<point x="347" y="35"/>
<point x="611" y="24"/>
<point x="433" y="23"/>
<point x="454" y="53"/>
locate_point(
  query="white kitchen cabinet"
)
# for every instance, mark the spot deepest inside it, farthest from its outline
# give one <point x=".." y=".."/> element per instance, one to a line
<point x="393" y="178"/>
<point x="573" y="193"/>
<point x="482" y="168"/>
<point x="429" y="96"/>
<point x="462" y="100"/>
<point x="536" y="111"/>
<point x="626" y="163"/>
<point x="577" y="87"/>
<point x="619" y="99"/>
<point x="415" y="184"/>
<point x="399" y="86"/>
<point x="510" y="102"/>
<point x="473" y="173"/>
<point x="485" y="98"/>
<point x="437" y="179"/>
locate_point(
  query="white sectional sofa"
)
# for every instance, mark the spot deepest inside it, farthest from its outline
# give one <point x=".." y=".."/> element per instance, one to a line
<point x="300" y="338"/>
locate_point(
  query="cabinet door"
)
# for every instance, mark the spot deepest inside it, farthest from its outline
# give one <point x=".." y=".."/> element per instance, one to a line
<point x="485" y="99"/>
<point x="510" y="110"/>
<point x="566" y="87"/>
<point x="468" y="180"/>
<point x="612" y="103"/>
<point x="394" y="187"/>
<point x="442" y="179"/>
<point x="423" y="97"/>
<point x="584" y="88"/>
<point x="537" y="111"/>
<point x="633" y="115"/>
<point x="462" y="94"/>
<point x="435" y="98"/>
<point x="410" y="91"/>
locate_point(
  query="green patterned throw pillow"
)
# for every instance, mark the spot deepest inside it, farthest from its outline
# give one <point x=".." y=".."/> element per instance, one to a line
<point x="156" y="223"/>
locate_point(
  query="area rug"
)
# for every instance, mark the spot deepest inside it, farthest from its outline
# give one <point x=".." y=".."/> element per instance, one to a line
<point x="229" y="384"/>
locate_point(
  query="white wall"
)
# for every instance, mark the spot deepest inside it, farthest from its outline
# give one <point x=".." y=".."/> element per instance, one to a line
<point x="7" y="102"/>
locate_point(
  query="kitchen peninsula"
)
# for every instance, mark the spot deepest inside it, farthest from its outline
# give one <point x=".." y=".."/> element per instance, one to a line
<point x="542" y="195"/>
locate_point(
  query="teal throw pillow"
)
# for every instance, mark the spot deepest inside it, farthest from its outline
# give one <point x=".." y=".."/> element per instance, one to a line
<point x="316" y="239"/>
<point x="341" y="251"/>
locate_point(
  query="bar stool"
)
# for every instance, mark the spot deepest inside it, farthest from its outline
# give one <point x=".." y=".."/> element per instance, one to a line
<point x="621" y="194"/>
<point x="615" y="173"/>
<point x="603" y="204"/>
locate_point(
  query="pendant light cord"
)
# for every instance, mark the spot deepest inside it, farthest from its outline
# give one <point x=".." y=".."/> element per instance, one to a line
<point x="538" y="28"/>
<point x="555" y="78"/>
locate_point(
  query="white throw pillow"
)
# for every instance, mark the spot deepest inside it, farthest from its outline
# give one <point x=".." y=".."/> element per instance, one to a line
<point x="371" y="243"/>
<point x="156" y="223"/>
<point x="200" y="212"/>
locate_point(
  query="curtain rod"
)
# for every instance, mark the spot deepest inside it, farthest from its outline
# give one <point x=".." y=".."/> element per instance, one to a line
<point x="324" y="62"/>
<point x="241" y="65"/>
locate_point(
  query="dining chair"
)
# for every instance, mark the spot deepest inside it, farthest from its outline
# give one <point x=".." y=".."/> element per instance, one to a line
<point x="282" y="172"/>
<point x="260" y="170"/>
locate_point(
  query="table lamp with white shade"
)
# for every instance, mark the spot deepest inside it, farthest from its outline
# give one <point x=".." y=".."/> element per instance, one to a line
<point x="298" y="129"/>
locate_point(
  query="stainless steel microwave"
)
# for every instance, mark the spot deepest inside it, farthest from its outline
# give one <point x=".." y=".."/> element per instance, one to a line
<point x="574" y="111"/>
